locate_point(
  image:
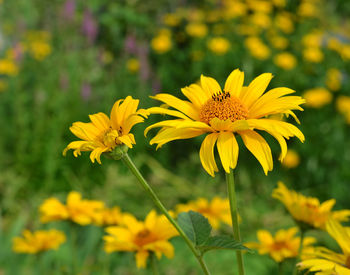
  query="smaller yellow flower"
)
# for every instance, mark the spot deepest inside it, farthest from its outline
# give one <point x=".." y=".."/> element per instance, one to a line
<point x="257" y="48"/>
<point x="291" y="160"/>
<point x="219" y="45"/>
<point x="103" y="134"/>
<point x="261" y="20"/>
<point x="279" y="42"/>
<point x="313" y="54"/>
<point x="334" y="44"/>
<point x="161" y="43"/>
<point x="216" y="211"/>
<point x="38" y="241"/>
<point x="281" y="246"/>
<point x="343" y="106"/>
<point x="333" y="79"/>
<point x="150" y="236"/>
<point x="133" y="65"/>
<point x="171" y="19"/>
<point x="327" y="262"/>
<point x="8" y="67"/>
<point x="285" y="61"/>
<point x="110" y="216"/>
<point x="308" y="9"/>
<point x="345" y="52"/>
<point x="39" y="49"/>
<point x="53" y="210"/>
<point x="317" y="97"/>
<point x="197" y="30"/>
<point x="260" y="6"/>
<point x="313" y="39"/>
<point x="284" y="22"/>
<point x="308" y="210"/>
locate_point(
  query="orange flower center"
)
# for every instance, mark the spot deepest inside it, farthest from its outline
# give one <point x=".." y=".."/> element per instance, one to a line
<point x="347" y="262"/>
<point x="144" y="237"/>
<point x="223" y="106"/>
<point x="279" y="245"/>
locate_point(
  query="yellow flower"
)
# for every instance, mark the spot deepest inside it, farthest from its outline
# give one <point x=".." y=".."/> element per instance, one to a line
<point x="38" y="241"/>
<point x="197" y="29"/>
<point x="53" y="210"/>
<point x="161" y="43"/>
<point x="103" y="134"/>
<point x="308" y="210"/>
<point x="334" y="44"/>
<point x="281" y="246"/>
<point x="8" y="67"/>
<point x="171" y="19"/>
<point x="39" y="49"/>
<point x="345" y="52"/>
<point x="328" y="262"/>
<point x="257" y="48"/>
<point x="333" y="79"/>
<point x="284" y="22"/>
<point x="343" y="106"/>
<point x="313" y="39"/>
<point x="260" y="6"/>
<point x="285" y="61"/>
<point x="279" y="42"/>
<point x="216" y="211"/>
<point x="110" y="216"/>
<point x="233" y="9"/>
<point x="219" y="45"/>
<point x="313" y="54"/>
<point x="317" y="97"/>
<point x="133" y="65"/>
<point x="308" y="9"/>
<point x="150" y="236"/>
<point x="223" y="113"/>
<point x="291" y="160"/>
<point x="261" y="20"/>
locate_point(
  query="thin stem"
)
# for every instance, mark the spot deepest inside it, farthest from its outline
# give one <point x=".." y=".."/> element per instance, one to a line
<point x="234" y="216"/>
<point x="154" y="266"/>
<point x="302" y="234"/>
<point x="129" y="163"/>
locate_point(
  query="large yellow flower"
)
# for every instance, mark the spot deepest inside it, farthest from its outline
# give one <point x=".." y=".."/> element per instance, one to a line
<point x="327" y="262"/>
<point x="150" y="236"/>
<point x="103" y="134"/>
<point x="283" y="245"/>
<point x="308" y="210"/>
<point x="38" y="241"/>
<point x="216" y="211"/>
<point x="223" y="113"/>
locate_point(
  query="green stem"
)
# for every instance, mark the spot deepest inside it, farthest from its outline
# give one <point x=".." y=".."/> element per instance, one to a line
<point x="129" y="163"/>
<point x="234" y="216"/>
<point x="280" y="268"/>
<point x="302" y="233"/>
<point x="154" y="264"/>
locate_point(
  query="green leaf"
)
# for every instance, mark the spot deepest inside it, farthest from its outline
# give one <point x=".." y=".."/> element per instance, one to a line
<point x="196" y="226"/>
<point x="222" y="242"/>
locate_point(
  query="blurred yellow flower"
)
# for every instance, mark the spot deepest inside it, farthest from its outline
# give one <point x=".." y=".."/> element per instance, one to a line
<point x="308" y="210"/>
<point x="39" y="49"/>
<point x="53" y="210"/>
<point x="308" y="9"/>
<point x="345" y="52"/>
<point x="133" y="65"/>
<point x="233" y="9"/>
<point x="257" y="48"/>
<point x="343" y="106"/>
<point x="327" y="262"/>
<point x="103" y="134"/>
<point x="281" y="246"/>
<point x="285" y="60"/>
<point x="291" y="160"/>
<point x="38" y="241"/>
<point x="171" y="19"/>
<point x="8" y="67"/>
<point x="333" y="79"/>
<point x="334" y="44"/>
<point x="150" y="236"/>
<point x="197" y="29"/>
<point x="221" y="114"/>
<point x="317" y="97"/>
<point x="261" y="20"/>
<point x="219" y="45"/>
<point x="279" y="3"/>
<point x="161" y="43"/>
<point x="313" y="39"/>
<point x="216" y="211"/>
<point x="260" y="5"/>
<point x="284" y="22"/>
<point x="279" y="42"/>
<point x="110" y="216"/>
<point x="313" y="54"/>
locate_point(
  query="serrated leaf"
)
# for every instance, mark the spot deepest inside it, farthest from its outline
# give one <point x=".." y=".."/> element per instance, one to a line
<point x="196" y="226"/>
<point x="222" y="242"/>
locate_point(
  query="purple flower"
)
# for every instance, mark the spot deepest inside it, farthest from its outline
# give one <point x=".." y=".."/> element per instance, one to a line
<point x="89" y="27"/>
<point x="85" y="91"/>
<point x="130" y="44"/>
<point x="68" y="9"/>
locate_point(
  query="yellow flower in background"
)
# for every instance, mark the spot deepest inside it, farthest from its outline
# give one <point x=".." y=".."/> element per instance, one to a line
<point x="53" y="210"/>
<point x="327" y="262"/>
<point x="220" y="114"/>
<point x="38" y="241"/>
<point x="343" y="106"/>
<point x="345" y="52"/>
<point x="282" y="246"/>
<point x="110" y="216"/>
<point x="8" y="67"/>
<point x="279" y="42"/>
<point x="308" y="9"/>
<point x="171" y="19"/>
<point x="308" y="210"/>
<point x="334" y="44"/>
<point x="333" y="79"/>
<point x="284" y="22"/>
<point x="216" y="211"/>
<point x="257" y="48"/>
<point x="150" y="236"/>
<point x="39" y="50"/>
<point x="233" y="9"/>
<point x="291" y="160"/>
<point x="219" y="45"/>
<point x="313" y="39"/>
<point x="317" y="97"/>
<point x="197" y="29"/>
<point x="133" y="65"/>
<point x="313" y="54"/>
<point x="161" y="43"/>
<point x="260" y="5"/>
<point x="103" y="134"/>
<point x="261" y="20"/>
<point x="285" y="61"/>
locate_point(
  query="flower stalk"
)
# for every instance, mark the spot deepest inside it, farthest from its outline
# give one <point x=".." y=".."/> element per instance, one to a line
<point x="234" y="216"/>
<point x="129" y="163"/>
<point x="302" y="234"/>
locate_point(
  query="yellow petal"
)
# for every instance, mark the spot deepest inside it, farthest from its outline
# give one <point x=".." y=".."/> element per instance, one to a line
<point x="141" y="258"/>
<point x="228" y="150"/>
<point x="164" y="111"/>
<point x="234" y="83"/>
<point x="196" y="95"/>
<point x="206" y="154"/>
<point x="100" y="120"/>
<point x="210" y="85"/>
<point x="164" y="123"/>
<point x="126" y="140"/>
